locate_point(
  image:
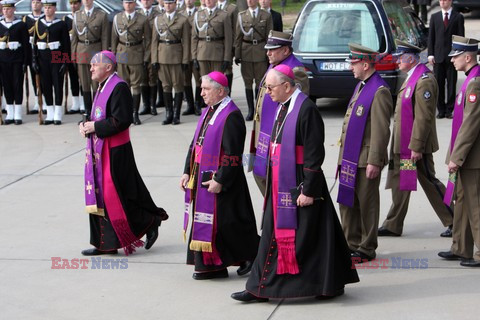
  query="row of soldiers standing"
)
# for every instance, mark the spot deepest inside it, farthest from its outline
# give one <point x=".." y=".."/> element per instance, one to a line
<point x="158" y="50"/>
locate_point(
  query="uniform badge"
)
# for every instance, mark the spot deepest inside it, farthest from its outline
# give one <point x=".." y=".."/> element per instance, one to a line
<point x="98" y="112"/>
<point x="427" y="95"/>
<point x="472" y="97"/>
<point x="459" y="98"/>
<point x="407" y="93"/>
<point x="359" y="111"/>
<point x="424" y="76"/>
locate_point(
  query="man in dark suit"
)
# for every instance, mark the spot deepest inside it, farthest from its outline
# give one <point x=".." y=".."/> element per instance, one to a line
<point x="443" y="25"/>
<point x="420" y="7"/>
<point x="276" y="16"/>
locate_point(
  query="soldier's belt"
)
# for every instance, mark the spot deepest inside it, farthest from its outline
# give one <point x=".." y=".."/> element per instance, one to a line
<point x="254" y="41"/>
<point x="89" y="42"/>
<point x="131" y="44"/>
<point x="208" y="38"/>
<point x="170" y="41"/>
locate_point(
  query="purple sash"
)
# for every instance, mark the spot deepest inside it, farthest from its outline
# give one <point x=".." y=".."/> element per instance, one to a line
<point x="269" y="108"/>
<point x="205" y="202"/>
<point x="408" y="169"/>
<point x="354" y="138"/>
<point x="456" y="124"/>
<point x="286" y="209"/>
<point x="93" y="172"/>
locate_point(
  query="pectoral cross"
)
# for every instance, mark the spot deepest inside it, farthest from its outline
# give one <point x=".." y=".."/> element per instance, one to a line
<point x="89" y="187"/>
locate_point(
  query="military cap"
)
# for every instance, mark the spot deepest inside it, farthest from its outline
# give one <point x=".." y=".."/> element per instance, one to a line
<point x="278" y="39"/>
<point x="461" y="45"/>
<point x="404" y="47"/>
<point x="8" y="3"/>
<point x="74" y="1"/>
<point x="360" y="53"/>
<point x="169" y="1"/>
<point x="129" y="1"/>
<point x="47" y="3"/>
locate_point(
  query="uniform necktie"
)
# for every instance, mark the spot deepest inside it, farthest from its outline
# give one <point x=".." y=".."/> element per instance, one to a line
<point x="445" y="20"/>
<point x="189" y="13"/>
<point x="88" y="14"/>
<point x="210" y="12"/>
<point x="129" y="18"/>
<point x="253" y="14"/>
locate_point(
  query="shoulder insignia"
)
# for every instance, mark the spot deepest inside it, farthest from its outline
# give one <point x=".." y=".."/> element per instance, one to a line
<point x="472" y="97"/>
<point x="427" y="95"/>
<point x="425" y="75"/>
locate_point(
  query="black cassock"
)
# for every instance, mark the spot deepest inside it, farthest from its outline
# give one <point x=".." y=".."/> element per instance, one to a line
<point x="321" y="249"/>
<point x="236" y="238"/>
<point x="136" y="200"/>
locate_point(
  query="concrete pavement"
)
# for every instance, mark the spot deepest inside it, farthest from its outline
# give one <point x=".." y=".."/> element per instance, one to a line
<point x="42" y="219"/>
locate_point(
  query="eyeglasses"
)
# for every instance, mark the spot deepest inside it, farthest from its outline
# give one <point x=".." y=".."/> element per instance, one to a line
<point x="271" y="87"/>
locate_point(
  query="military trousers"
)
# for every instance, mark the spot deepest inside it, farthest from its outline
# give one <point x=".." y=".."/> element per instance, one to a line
<point x="360" y="223"/>
<point x="85" y="76"/>
<point x="149" y="77"/>
<point x="208" y="66"/>
<point x="132" y="74"/>
<point x="434" y="190"/>
<point x="253" y="71"/>
<point x="172" y="77"/>
<point x="466" y="222"/>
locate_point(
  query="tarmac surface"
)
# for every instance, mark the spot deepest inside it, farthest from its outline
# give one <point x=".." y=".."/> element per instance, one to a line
<point x="43" y="220"/>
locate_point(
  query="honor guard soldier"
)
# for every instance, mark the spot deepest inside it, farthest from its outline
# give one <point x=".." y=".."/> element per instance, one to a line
<point x="363" y="154"/>
<point x="51" y="48"/>
<point x="193" y="106"/>
<point x="30" y="19"/>
<point x="253" y="28"/>
<point x="77" y="105"/>
<point x="212" y="39"/>
<point x="171" y="56"/>
<point x="131" y="37"/>
<point x="414" y="140"/>
<point x="232" y="12"/>
<point x="463" y="157"/>
<point x="149" y="77"/>
<point x="279" y="51"/>
<point x="14" y="56"/>
<point x="90" y="35"/>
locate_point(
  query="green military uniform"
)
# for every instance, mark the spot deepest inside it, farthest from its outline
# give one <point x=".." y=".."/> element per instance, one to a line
<point x="466" y="155"/>
<point x="424" y="140"/>
<point x="232" y="12"/>
<point x="90" y="35"/>
<point x="149" y="78"/>
<point x="360" y="222"/>
<point x="193" y="106"/>
<point x="276" y="40"/>
<point x="131" y="37"/>
<point x="253" y="28"/>
<point x="212" y="40"/>
<point x="171" y="50"/>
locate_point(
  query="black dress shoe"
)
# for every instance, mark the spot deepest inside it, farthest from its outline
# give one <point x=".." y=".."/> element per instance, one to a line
<point x="144" y="111"/>
<point x="470" y="263"/>
<point x="449" y="255"/>
<point x="360" y="257"/>
<point x="57" y="122"/>
<point x="339" y="292"/>
<point x="447" y="233"/>
<point x="4" y="111"/>
<point x="384" y="232"/>
<point x="211" y="275"/>
<point x="96" y="252"/>
<point x="152" y="233"/>
<point x="47" y="122"/>
<point x="246" y="296"/>
<point x="33" y="112"/>
<point x="44" y="111"/>
<point x="73" y="111"/>
<point x="440" y="116"/>
<point x="9" y="121"/>
<point x="153" y="111"/>
<point x="244" y="268"/>
<point x="18" y="122"/>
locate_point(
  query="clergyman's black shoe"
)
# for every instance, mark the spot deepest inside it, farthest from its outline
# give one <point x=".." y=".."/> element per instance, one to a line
<point x="339" y="292"/>
<point x="246" y="296"/>
<point x="244" y="268"/>
<point x="360" y="257"/>
<point x="449" y="255"/>
<point x="384" y="232"/>
<point x="152" y="233"/>
<point x="447" y="233"/>
<point x="223" y="273"/>
<point x="470" y="263"/>
<point x="96" y="252"/>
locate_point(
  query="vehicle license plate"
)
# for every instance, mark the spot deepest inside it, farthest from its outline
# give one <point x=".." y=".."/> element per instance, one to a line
<point x="334" y="66"/>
